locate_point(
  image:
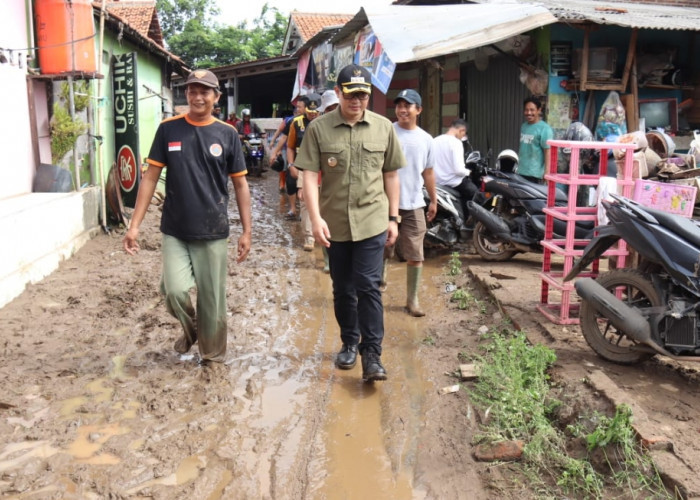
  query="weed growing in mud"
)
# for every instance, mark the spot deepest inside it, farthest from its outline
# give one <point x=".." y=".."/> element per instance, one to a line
<point x="454" y="266"/>
<point x="514" y="395"/>
<point x="463" y="298"/>
<point x="631" y="469"/>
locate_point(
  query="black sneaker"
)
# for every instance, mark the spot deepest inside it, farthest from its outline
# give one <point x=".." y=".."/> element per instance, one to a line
<point x="372" y="368"/>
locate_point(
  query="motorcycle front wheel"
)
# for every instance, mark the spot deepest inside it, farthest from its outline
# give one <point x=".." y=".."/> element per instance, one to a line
<point x="488" y="248"/>
<point x="255" y="168"/>
<point x="633" y="288"/>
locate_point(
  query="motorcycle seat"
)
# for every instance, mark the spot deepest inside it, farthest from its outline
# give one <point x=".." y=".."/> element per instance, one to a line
<point x="450" y="190"/>
<point x="683" y="227"/>
<point x="559" y="195"/>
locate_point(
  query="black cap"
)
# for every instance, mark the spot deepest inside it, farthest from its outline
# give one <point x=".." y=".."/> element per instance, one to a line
<point x="203" y="77"/>
<point x="314" y="102"/>
<point x="410" y="96"/>
<point x="354" y="78"/>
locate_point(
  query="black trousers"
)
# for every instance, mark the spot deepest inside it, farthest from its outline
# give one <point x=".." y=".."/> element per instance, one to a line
<point x="356" y="269"/>
<point x="467" y="189"/>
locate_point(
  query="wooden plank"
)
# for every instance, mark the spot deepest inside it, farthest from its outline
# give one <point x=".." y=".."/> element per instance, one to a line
<point x="584" y="59"/>
<point x="631" y="51"/>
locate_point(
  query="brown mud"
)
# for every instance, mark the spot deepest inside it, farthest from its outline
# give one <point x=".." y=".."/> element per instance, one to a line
<point x="97" y="404"/>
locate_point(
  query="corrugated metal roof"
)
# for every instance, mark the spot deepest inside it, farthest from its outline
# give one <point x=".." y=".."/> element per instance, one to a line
<point x="414" y="32"/>
<point x="626" y="14"/>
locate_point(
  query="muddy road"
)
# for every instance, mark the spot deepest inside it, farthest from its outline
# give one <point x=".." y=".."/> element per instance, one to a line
<point x="97" y="404"/>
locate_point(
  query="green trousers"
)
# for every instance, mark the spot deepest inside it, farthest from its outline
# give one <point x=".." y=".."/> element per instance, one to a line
<point x="201" y="264"/>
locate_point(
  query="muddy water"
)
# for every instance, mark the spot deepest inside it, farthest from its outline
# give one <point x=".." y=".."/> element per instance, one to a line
<point x="113" y="410"/>
<point x="352" y="440"/>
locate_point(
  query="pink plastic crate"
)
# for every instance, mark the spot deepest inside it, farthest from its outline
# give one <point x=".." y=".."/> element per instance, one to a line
<point x="676" y="199"/>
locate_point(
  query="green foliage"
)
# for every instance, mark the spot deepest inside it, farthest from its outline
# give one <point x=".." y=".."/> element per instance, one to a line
<point x="173" y="15"/>
<point x="190" y="32"/>
<point x="80" y="94"/>
<point x="513" y="385"/>
<point x="454" y="266"/>
<point x="513" y="393"/>
<point x="616" y="430"/>
<point x="64" y="132"/>
<point x="631" y="469"/>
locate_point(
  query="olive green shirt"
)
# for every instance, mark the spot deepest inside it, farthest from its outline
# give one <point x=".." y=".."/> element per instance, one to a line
<point x="352" y="160"/>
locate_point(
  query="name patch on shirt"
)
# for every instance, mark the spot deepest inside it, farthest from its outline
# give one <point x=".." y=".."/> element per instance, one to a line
<point x="174" y="146"/>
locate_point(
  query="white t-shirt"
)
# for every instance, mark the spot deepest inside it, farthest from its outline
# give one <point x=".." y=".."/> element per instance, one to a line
<point x="448" y="154"/>
<point x="417" y="147"/>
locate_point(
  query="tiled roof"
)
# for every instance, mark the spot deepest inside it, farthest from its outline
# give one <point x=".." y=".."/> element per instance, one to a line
<point x="128" y="19"/>
<point x="308" y="24"/>
<point x="141" y="16"/>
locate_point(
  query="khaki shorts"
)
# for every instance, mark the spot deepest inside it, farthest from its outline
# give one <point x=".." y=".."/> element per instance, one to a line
<point x="411" y="234"/>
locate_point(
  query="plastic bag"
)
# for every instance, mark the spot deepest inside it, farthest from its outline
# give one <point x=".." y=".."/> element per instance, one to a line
<point x="694" y="149"/>
<point x="606" y="186"/>
<point x="611" y="120"/>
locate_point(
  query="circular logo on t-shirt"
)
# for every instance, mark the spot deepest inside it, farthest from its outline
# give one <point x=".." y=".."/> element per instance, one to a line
<point x="216" y="149"/>
<point x="126" y="167"/>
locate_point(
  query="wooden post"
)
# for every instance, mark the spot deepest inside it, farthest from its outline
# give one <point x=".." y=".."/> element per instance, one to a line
<point x="584" y="58"/>
<point x="631" y="54"/>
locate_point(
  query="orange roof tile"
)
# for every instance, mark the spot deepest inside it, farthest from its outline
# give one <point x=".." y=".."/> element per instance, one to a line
<point x="308" y="24"/>
<point x="141" y="16"/>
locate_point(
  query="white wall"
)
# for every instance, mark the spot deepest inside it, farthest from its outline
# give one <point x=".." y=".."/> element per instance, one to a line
<point x="17" y="167"/>
<point x="45" y="229"/>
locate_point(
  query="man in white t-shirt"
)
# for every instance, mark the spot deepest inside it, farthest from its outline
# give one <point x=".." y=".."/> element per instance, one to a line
<point x="417" y="146"/>
<point x="449" y="166"/>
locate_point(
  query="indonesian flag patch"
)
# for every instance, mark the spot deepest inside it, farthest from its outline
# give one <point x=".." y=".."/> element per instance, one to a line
<point x="175" y="146"/>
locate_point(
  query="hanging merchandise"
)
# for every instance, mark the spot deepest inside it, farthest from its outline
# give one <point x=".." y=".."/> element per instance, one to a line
<point x="611" y="120"/>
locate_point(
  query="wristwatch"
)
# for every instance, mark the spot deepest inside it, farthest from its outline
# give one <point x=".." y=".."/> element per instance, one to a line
<point x="395" y="218"/>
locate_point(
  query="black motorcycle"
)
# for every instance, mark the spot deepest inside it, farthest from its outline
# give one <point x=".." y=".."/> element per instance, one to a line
<point x="511" y="219"/>
<point x="630" y="315"/>
<point x="449" y="227"/>
<point x="254" y="151"/>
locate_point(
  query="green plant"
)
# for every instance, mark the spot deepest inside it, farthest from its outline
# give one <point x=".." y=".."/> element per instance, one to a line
<point x="513" y="391"/>
<point x="64" y="132"/>
<point x="454" y="266"/>
<point x="429" y="340"/>
<point x="80" y="94"/>
<point x="632" y="469"/>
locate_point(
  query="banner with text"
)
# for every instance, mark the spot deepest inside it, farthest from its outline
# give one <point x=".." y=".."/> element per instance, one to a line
<point x="126" y="132"/>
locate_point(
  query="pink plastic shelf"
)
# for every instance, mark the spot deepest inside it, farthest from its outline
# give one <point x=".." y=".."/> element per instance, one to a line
<point x="564" y="311"/>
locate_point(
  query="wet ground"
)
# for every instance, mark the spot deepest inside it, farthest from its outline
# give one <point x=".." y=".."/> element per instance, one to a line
<point x="97" y="404"/>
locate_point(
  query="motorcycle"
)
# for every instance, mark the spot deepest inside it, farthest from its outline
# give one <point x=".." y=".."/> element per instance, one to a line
<point x="449" y="228"/>
<point x="254" y="154"/>
<point x="630" y="315"/>
<point x="511" y="219"/>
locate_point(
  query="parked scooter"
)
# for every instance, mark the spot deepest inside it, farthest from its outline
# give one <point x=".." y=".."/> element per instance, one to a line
<point x="449" y="227"/>
<point x="630" y="315"/>
<point x="511" y="220"/>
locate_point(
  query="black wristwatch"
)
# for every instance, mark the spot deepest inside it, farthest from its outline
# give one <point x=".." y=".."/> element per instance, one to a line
<point x="395" y="218"/>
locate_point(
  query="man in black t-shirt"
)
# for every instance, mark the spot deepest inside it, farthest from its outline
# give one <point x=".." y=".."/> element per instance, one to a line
<point x="201" y="154"/>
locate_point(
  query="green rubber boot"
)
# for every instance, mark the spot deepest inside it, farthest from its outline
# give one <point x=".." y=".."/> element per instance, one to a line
<point x="413" y="275"/>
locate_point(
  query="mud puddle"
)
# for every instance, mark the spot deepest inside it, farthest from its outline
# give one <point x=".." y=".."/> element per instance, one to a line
<point x="100" y="404"/>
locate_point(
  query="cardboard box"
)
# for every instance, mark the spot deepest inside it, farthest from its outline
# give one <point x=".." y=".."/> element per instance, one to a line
<point x="672" y="198"/>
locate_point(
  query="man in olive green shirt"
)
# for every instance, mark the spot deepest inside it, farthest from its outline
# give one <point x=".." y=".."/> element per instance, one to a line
<point x="356" y="214"/>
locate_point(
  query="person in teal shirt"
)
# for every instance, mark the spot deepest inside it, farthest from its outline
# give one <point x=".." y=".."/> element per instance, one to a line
<point x="533" y="155"/>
